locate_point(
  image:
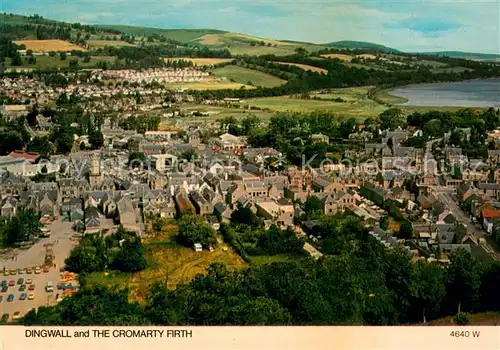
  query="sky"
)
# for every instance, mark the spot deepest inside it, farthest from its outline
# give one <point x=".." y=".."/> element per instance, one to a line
<point x="407" y="25"/>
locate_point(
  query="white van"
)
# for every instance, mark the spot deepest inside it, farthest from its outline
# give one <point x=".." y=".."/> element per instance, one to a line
<point x="49" y="287"/>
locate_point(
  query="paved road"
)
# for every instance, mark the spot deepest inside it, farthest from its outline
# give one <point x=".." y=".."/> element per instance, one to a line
<point x="451" y="202"/>
<point x="35" y="256"/>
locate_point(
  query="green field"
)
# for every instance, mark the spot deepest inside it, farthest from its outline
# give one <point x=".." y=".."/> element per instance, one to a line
<point x="47" y="62"/>
<point x="357" y="103"/>
<point x="241" y="44"/>
<point x="244" y="76"/>
<point x="386" y="97"/>
<point x="182" y="35"/>
<point x="103" y="43"/>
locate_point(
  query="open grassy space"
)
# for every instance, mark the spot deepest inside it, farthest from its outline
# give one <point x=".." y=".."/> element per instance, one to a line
<point x="267" y="259"/>
<point x="182" y="35"/>
<point x="47" y="62"/>
<point x="385" y="96"/>
<point x="357" y="103"/>
<point x="202" y="61"/>
<point x="340" y="56"/>
<point x="209" y="85"/>
<point x="241" y="44"/>
<point x="245" y="76"/>
<point x="96" y="44"/>
<point x="305" y="67"/>
<point x="167" y="262"/>
<point x="48" y="45"/>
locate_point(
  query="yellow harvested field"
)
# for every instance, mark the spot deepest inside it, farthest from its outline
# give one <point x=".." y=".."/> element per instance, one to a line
<point x="202" y="61"/>
<point x="304" y="67"/>
<point x="211" y="39"/>
<point x="48" y="45"/>
<point x="104" y="43"/>
<point x="180" y="265"/>
<point x="347" y="58"/>
<point x="367" y="56"/>
<point x="225" y="38"/>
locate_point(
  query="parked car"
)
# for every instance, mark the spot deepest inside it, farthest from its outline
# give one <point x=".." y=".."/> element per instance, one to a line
<point x="31" y="287"/>
<point x="20" y="281"/>
<point x="12" y="283"/>
<point x="5" y="318"/>
<point x="13" y="272"/>
<point x="20" y="271"/>
<point x="28" y="281"/>
<point x="4" y="283"/>
<point x="38" y="270"/>
<point x="10" y="298"/>
<point x="29" y="271"/>
<point x="46" y="269"/>
<point x="31" y="296"/>
<point x="17" y="315"/>
<point x="22" y="287"/>
<point x="4" y="289"/>
<point x="23" y="296"/>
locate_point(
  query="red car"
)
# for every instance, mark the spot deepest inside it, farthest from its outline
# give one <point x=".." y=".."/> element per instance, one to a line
<point x="46" y="269"/>
<point x="12" y="283"/>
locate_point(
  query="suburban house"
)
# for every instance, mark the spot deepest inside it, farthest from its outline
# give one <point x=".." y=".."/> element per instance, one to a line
<point x="278" y="212"/>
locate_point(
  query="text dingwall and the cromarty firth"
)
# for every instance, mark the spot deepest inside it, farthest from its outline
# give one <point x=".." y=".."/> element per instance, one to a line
<point x="108" y="333"/>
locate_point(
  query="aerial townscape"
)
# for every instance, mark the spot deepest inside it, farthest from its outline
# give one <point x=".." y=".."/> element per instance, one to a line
<point x="156" y="176"/>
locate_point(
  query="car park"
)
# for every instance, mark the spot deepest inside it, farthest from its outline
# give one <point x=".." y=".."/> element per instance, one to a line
<point x="10" y="298"/>
<point x="23" y="296"/>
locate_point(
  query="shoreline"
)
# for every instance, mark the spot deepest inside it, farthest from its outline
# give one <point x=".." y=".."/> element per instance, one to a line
<point x="384" y="96"/>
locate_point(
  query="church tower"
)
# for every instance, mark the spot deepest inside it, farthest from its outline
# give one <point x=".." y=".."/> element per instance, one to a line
<point x="95" y="172"/>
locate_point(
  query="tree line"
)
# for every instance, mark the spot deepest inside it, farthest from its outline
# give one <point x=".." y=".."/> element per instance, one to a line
<point x="358" y="283"/>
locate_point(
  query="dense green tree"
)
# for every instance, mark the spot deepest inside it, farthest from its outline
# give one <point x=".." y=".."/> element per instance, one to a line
<point x="193" y="229"/>
<point x="131" y="257"/>
<point x="405" y="230"/>
<point x="96" y="139"/>
<point x="427" y="290"/>
<point x="245" y="216"/>
<point x="42" y="145"/>
<point x="464" y="281"/>
<point x="392" y="119"/>
<point x="384" y="222"/>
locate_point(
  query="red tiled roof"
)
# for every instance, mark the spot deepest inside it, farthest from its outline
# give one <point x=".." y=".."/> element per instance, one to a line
<point x="491" y="213"/>
<point x="25" y="155"/>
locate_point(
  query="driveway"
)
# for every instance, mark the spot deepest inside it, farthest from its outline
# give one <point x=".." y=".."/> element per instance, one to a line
<point x="61" y="246"/>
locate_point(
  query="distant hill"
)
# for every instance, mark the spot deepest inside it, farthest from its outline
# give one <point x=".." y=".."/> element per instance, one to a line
<point x="182" y="35"/>
<point x="348" y="44"/>
<point x="465" y="55"/>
